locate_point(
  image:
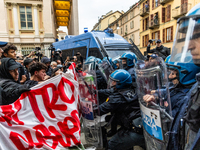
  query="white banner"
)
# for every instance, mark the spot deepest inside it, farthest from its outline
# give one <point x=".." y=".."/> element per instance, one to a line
<point x="44" y="118"/>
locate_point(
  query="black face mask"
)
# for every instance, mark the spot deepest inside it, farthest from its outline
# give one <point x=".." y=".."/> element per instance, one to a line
<point x="171" y="79"/>
<point x="124" y="65"/>
<point x="196" y="62"/>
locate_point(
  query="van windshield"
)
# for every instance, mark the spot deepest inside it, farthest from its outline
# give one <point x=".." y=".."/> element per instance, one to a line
<point x="115" y="50"/>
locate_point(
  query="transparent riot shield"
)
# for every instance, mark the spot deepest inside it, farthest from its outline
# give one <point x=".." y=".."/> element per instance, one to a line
<point x="106" y="69"/>
<point x="89" y="105"/>
<point x="153" y="92"/>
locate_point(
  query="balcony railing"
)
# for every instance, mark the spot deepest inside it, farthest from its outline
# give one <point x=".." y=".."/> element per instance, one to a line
<point x="154" y="23"/>
<point x="144" y="11"/>
<point x="181" y="10"/>
<point x="163" y="2"/>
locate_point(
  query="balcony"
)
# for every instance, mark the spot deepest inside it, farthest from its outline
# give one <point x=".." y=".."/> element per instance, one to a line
<point x="144" y="11"/>
<point x="155" y="23"/>
<point x="163" y="2"/>
<point x="181" y="10"/>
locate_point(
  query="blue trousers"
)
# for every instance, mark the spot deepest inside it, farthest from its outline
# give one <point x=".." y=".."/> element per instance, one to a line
<point x="124" y="140"/>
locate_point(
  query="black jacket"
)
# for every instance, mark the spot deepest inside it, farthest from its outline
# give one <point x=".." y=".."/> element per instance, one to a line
<point x="11" y="89"/>
<point x="118" y="102"/>
<point x="162" y="51"/>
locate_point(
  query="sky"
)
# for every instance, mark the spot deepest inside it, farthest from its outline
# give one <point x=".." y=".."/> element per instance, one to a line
<point x="90" y="10"/>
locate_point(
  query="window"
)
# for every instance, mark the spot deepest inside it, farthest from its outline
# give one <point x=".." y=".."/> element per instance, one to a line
<point x="26" y="17"/>
<point x="156" y="36"/>
<point x="146" y="24"/>
<point x="155" y="3"/>
<point x="126" y="18"/>
<point x="126" y="38"/>
<point x="145" y="40"/>
<point x="168" y="34"/>
<point x="133" y="38"/>
<point x="117" y="31"/>
<point x="121" y="31"/>
<point x="132" y="24"/>
<point x="166" y="14"/>
<point x="27" y="50"/>
<point x="126" y="28"/>
<point x="132" y="14"/>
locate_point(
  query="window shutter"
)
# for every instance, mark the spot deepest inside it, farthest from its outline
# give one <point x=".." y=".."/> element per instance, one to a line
<point x="182" y="1"/>
<point x="151" y="35"/>
<point x="143" y="41"/>
<point x="163" y="35"/>
<point x="163" y="14"/>
<point x="152" y="4"/>
<point x="143" y="24"/>
<point x="172" y="33"/>
<point x="158" y="2"/>
<point x="169" y="12"/>
<point x="147" y="40"/>
<point x="158" y="34"/>
<point x="151" y="22"/>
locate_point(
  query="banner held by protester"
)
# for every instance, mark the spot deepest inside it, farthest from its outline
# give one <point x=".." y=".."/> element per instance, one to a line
<point x="44" y="118"/>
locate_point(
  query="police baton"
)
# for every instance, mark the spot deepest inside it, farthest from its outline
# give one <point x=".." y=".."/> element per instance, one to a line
<point x="163" y="111"/>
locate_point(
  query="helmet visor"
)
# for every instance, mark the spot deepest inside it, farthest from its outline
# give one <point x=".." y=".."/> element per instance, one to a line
<point x="187" y="41"/>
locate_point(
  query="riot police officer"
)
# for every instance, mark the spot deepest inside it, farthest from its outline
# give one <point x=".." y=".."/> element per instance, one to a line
<point x="186" y="135"/>
<point x="128" y="61"/>
<point x="124" y="105"/>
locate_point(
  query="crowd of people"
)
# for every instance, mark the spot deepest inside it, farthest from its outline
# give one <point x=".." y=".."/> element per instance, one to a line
<point x="19" y="73"/>
<point x="132" y="84"/>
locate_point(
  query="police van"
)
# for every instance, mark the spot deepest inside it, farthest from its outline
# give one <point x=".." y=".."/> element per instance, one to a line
<point x="95" y="43"/>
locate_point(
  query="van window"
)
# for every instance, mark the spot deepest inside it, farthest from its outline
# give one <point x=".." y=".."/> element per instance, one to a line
<point x="82" y="50"/>
<point x="95" y="52"/>
<point x="67" y="52"/>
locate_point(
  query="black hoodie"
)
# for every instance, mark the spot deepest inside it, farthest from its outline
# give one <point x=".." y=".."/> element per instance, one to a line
<point x="11" y="89"/>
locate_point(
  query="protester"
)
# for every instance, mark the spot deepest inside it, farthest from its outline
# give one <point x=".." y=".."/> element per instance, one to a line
<point x="79" y="57"/>
<point x="20" y="60"/>
<point x="53" y="64"/>
<point x="47" y="62"/>
<point x="56" y="71"/>
<point x="38" y="73"/>
<point x="58" y="56"/>
<point x="2" y="44"/>
<point x="10" y="52"/>
<point x="27" y="62"/>
<point x="11" y="88"/>
<point x="59" y="62"/>
<point x="160" y="49"/>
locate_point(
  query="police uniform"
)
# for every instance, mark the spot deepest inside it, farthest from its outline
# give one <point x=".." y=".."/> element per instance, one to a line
<point x="130" y="134"/>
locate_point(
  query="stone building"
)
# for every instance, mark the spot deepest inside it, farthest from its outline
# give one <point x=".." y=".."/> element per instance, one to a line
<point x="34" y="23"/>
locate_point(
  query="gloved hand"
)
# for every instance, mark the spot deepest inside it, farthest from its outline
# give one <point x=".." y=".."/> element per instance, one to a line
<point x="23" y="89"/>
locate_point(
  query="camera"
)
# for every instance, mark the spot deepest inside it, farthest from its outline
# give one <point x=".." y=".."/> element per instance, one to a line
<point x="37" y="52"/>
<point x="51" y="48"/>
<point x="152" y="40"/>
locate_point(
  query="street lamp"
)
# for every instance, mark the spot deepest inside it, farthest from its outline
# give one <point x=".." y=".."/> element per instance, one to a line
<point x="109" y="19"/>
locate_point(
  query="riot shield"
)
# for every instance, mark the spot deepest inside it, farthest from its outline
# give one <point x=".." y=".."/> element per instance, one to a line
<point x="106" y="69"/>
<point x="153" y="92"/>
<point x="89" y="105"/>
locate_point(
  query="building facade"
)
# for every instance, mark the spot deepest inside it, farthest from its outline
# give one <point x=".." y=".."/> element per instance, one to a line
<point x="128" y="25"/>
<point x="34" y="23"/>
<point x="106" y="20"/>
<point x="158" y="19"/>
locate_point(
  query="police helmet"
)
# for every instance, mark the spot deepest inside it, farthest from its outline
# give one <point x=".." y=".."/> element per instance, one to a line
<point x="122" y="77"/>
<point x="184" y="55"/>
<point x="131" y="58"/>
